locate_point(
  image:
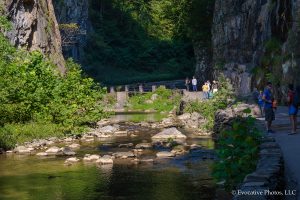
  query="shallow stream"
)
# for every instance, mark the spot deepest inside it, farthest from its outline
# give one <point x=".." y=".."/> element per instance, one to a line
<point x="47" y="178"/>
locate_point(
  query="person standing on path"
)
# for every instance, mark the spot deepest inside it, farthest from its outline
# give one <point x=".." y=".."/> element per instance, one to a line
<point x="268" y="107"/>
<point x="187" y="83"/>
<point x="194" y="83"/>
<point x="293" y="103"/>
<point x="214" y="87"/>
<point x="205" y="90"/>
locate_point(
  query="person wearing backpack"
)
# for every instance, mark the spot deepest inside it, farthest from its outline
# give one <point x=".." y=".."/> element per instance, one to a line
<point x="293" y="103"/>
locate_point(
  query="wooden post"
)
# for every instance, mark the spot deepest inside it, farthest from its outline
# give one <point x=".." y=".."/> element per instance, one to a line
<point x="112" y="89"/>
<point x="126" y="88"/>
<point x="153" y="88"/>
<point x="141" y="88"/>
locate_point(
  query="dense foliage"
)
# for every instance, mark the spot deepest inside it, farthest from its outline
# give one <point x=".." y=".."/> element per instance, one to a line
<point x="136" y="41"/>
<point x="32" y="91"/>
<point x="237" y="150"/>
<point x="161" y="100"/>
<point x="207" y="109"/>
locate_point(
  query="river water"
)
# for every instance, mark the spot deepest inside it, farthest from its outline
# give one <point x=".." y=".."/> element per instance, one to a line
<point x="184" y="177"/>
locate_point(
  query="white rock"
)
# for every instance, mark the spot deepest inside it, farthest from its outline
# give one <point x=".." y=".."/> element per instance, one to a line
<point x="108" y="129"/>
<point x="74" y="146"/>
<point x="42" y="154"/>
<point x="143" y="146"/>
<point x="170" y="133"/>
<point x="72" y="160"/>
<point x="23" y="149"/>
<point x="90" y="158"/>
<point x="120" y="133"/>
<point x="184" y="116"/>
<point x="53" y="150"/>
<point x="124" y="155"/>
<point x="105" y="160"/>
<point x="165" y="154"/>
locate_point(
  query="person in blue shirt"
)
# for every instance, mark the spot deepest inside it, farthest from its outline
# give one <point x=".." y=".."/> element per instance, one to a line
<point x="268" y="107"/>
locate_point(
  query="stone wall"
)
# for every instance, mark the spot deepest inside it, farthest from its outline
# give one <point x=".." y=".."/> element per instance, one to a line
<point x="34" y="27"/>
<point x="269" y="173"/>
<point x="268" y="178"/>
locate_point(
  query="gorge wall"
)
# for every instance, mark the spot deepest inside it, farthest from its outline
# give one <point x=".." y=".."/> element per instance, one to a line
<point x="34" y="27"/>
<point x="73" y="11"/>
<point x="252" y="40"/>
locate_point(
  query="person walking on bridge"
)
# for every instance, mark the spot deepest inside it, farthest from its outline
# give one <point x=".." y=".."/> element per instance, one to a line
<point x="268" y="107"/>
<point x="194" y="83"/>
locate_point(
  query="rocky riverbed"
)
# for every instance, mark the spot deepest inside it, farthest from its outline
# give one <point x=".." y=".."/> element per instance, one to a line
<point x="149" y="148"/>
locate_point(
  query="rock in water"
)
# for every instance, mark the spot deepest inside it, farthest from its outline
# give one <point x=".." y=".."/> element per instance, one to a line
<point x="90" y="158"/>
<point x="72" y="160"/>
<point x="170" y="133"/>
<point x="124" y="155"/>
<point x="105" y="160"/>
<point x="165" y="154"/>
<point x="53" y="150"/>
<point x="68" y="152"/>
<point x="108" y="129"/>
<point x="143" y="146"/>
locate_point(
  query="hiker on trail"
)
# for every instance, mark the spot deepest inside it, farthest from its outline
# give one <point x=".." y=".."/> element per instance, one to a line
<point x="209" y="85"/>
<point x="194" y="84"/>
<point x="293" y="103"/>
<point x="205" y="90"/>
<point x="260" y="102"/>
<point x="187" y="83"/>
<point x="214" y="87"/>
<point x="268" y="107"/>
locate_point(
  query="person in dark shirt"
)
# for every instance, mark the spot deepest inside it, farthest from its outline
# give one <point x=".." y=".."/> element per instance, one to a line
<point x="268" y="107"/>
<point x="293" y="108"/>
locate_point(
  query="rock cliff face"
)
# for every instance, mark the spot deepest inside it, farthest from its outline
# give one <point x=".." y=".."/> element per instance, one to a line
<point x="240" y="31"/>
<point x="35" y="28"/>
<point x="73" y="11"/>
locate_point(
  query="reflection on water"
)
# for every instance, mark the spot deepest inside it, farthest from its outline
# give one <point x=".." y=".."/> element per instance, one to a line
<point x="33" y="178"/>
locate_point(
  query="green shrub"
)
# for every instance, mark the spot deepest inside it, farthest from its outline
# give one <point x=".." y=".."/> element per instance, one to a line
<point x="208" y="108"/>
<point x="11" y="134"/>
<point x="32" y="91"/>
<point x="237" y="150"/>
<point x="165" y="100"/>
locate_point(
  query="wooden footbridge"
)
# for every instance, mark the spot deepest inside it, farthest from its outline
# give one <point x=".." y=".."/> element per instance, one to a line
<point x="124" y="91"/>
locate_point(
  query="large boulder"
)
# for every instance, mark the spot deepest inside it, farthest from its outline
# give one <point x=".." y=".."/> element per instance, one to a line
<point x="170" y="133"/>
<point x="224" y="118"/>
<point x="108" y="129"/>
<point x="192" y="120"/>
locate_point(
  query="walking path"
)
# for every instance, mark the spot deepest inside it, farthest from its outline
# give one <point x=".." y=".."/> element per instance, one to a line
<point x="290" y="146"/>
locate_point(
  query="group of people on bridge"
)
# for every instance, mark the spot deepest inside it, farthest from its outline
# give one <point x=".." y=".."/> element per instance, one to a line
<point x="208" y="88"/>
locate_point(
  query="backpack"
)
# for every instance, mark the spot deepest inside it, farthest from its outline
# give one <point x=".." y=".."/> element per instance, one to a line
<point x="296" y="100"/>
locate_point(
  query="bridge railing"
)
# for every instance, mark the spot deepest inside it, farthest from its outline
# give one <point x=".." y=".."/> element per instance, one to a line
<point x="148" y="87"/>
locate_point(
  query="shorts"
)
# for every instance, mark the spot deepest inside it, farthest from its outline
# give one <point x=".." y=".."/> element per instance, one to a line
<point x="293" y="110"/>
<point x="269" y="114"/>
